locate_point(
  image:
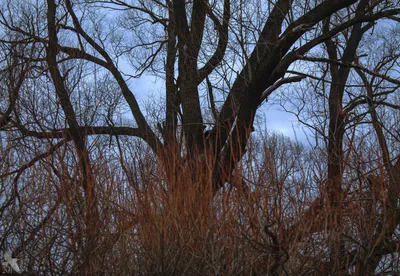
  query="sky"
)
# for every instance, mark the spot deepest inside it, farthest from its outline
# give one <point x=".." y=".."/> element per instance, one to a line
<point x="275" y="118"/>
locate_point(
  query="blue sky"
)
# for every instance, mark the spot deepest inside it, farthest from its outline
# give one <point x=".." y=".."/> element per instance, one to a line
<point x="271" y="114"/>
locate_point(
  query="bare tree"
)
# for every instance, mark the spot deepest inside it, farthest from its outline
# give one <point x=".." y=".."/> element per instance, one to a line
<point x="75" y="170"/>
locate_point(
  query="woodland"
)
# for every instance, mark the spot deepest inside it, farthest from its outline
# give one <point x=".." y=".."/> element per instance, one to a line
<point x="102" y="176"/>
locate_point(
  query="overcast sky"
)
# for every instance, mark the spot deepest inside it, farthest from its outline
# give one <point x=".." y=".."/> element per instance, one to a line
<point x="276" y="119"/>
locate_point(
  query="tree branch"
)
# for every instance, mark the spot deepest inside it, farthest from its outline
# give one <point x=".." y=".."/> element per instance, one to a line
<point x="278" y="84"/>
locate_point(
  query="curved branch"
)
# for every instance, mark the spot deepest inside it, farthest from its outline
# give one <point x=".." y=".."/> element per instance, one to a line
<point x="351" y="65"/>
<point x="151" y="138"/>
<point x="278" y="84"/>
<point x="222" y="42"/>
<point x="293" y="56"/>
